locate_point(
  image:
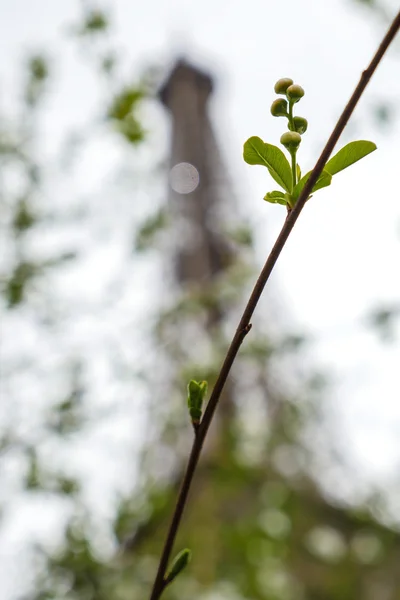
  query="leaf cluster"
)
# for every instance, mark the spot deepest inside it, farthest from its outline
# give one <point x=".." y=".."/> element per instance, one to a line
<point x="258" y="152"/>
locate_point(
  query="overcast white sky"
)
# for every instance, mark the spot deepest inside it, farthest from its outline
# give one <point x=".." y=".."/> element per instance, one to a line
<point x="343" y="256"/>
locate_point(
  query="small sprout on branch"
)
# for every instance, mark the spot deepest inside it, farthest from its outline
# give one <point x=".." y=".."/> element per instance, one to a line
<point x="180" y="561"/>
<point x="196" y="394"/>
<point x="288" y="174"/>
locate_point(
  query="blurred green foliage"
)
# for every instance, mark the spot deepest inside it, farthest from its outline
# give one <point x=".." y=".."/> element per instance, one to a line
<point x="383" y="321"/>
<point x="37" y="75"/>
<point x="122" y="112"/>
<point x="94" y="22"/>
<point x="148" y="232"/>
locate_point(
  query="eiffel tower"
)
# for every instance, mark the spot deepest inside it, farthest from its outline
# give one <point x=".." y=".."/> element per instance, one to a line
<point x="263" y="533"/>
<point x="194" y="162"/>
<point x="202" y="252"/>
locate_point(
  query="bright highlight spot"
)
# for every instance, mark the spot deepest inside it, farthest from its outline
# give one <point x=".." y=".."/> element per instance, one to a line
<point x="184" y="178"/>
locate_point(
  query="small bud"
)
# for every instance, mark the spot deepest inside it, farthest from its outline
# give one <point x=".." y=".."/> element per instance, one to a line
<point x="279" y="108"/>
<point x="196" y="393"/>
<point x="300" y="124"/>
<point x="180" y="561"/>
<point x="282" y="85"/>
<point x="291" y="140"/>
<point x="294" y="92"/>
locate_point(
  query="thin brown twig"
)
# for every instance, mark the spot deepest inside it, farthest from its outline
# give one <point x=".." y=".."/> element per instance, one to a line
<point x="244" y="324"/>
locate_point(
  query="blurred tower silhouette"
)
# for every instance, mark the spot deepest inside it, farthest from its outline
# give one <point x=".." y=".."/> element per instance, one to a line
<point x="201" y="250"/>
<point x="195" y="195"/>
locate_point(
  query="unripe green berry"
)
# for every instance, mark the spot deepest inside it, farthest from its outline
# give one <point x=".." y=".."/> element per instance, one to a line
<point x="294" y="92"/>
<point x="279" y="108"/>
<point x="282" y="85"/>
<point x="291" y="140"/>
<point x="300" y="124"/>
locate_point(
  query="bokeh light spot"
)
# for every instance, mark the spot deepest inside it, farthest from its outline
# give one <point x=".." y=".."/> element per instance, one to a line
<point x="184" y="178"/>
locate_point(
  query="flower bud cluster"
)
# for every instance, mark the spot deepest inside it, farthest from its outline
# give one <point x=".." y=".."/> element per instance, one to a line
<point x="283" y="107"/>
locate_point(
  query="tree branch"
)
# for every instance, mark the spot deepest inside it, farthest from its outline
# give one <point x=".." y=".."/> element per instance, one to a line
<point x="244" y="324"/>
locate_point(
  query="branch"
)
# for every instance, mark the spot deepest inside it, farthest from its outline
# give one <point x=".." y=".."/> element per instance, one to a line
<point x="244" y="324"/>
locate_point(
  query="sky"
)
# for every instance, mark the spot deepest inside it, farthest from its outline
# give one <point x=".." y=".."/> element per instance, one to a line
<point x="342" y="258"/>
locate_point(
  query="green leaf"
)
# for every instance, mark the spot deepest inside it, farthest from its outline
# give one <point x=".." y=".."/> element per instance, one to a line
<point x="257" y="152"/>
<point x="298" y="172"/>
<point x="180" y="561"/>
<point x="348" y="155"/>
<point x="323" y="181"/>
<point x="275" y="198"/>
<point x="196" y="393"/>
